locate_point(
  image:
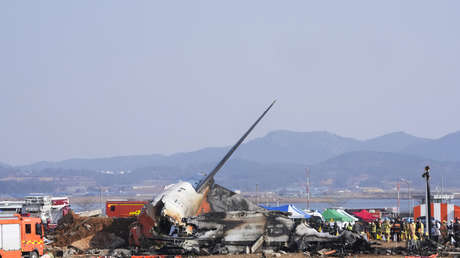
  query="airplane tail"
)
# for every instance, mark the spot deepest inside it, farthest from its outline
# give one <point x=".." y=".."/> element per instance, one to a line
<point x="210" y="177"/>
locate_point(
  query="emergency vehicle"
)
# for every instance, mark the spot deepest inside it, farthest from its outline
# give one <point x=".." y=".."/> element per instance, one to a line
<point x="60" y="206"/>
<point x="20" y="236"/>
<point x="123" y="208"/>
<point x="38" y="206"/>
<point x="11" y="207"/>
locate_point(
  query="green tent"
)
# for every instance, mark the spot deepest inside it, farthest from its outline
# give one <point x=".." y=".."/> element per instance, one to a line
<point x="329" y="214"/>
<point x="347" y="214"/>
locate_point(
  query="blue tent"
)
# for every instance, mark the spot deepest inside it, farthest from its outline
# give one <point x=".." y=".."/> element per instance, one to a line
<point x="295" y="212"/>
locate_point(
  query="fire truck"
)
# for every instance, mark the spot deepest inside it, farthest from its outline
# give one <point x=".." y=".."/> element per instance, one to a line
<point x="20" y="236"/>
<point x="123" y="208"/>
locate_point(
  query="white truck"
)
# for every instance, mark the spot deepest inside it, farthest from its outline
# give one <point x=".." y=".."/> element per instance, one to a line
<point x="11" y="207"/>
<point x="38" y="206"/>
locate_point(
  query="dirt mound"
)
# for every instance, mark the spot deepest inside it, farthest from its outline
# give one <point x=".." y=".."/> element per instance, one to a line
<point x="91" y="232"/>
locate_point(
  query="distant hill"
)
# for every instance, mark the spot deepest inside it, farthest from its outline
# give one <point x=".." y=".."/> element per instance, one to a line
<point x="276" y="147"/>
<point x="277" y="161"/>
<point x="392" y="142"/>
<point x="382" y="168"/>
<point x="296" y="147"/>
<point x="352" y="169"/>
<point x="6" y="170"/>
<point x="236" y="174"/>
<point x="446" y="148"/>
<point x="112" y="163"/>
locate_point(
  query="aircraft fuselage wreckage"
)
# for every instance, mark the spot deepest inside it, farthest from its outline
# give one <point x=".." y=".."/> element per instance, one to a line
<point x="207" y="218"/>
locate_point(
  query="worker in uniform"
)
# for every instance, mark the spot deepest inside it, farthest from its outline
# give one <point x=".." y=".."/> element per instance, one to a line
<point x="387" y="230"/>
<point x="420" y="230"/>
<point x="412" y="235"/>
<point x="325" y="227"/>
<point x="379" y="230"/>
<point x="396" y="230"/>
<point x="412" y="231"/>
<point x="349" y="227"/>
<point x="373" y="230"/>
<point x="444" y="232"/>
<point x="404" y="230"/>
<point x="407" y="229"/>
<point x="456" y="232"/>
<point x="336" y="229"/>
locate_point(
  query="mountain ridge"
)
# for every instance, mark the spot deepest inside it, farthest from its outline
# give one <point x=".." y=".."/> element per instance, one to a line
<point x="280" y="146"/>
<point x="446" y="148"/>
<point x="275" y="161"/>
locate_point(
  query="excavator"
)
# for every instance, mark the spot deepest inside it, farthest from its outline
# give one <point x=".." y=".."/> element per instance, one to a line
<point x="206" y="218"/>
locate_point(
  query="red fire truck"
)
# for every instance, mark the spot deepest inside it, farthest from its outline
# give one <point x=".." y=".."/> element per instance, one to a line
<point x="20" y="236"/>
<point x="123" y="208"/>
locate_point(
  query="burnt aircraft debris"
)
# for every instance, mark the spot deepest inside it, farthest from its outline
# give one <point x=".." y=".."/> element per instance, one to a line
<point x="240" y="226"/>
<point x="205" y="218"/>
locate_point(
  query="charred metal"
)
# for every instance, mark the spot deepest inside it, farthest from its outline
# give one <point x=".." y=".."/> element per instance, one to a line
<point x="210" y="219"/>
<point x="235" y="225"/>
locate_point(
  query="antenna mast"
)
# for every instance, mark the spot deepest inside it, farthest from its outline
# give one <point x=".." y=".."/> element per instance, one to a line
<point x="307" y="170"/>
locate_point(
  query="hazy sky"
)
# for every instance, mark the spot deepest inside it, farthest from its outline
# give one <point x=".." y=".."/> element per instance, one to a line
<point x="104" y="78"/>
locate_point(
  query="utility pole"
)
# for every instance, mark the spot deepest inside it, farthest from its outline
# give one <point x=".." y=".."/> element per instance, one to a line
<point x="426" y="175"/>
<point x="257" y="194"/>
<point x="100" y="198"/>
<point x="308" y="187"/>
<point x="398" y="186"/>
<point x="442" y="188"/>
<point x="408" y="195"/>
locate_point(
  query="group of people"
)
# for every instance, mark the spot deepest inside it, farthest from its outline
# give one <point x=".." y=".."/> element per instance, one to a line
<point x="406" y="230"/>
<point x="334" y="228"/>
<point x="398" y="230"/>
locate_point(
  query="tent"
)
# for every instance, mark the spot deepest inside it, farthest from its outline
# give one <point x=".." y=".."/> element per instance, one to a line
<point x="295" y="212"/>
<point x="314" y="213"/>
<point x="347" y="214"/>
<point x="365" y="215"/>
<point x="332" y="214"/>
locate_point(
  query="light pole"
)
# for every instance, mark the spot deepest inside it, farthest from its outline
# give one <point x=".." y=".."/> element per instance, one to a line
<point x="308" y="187"/>
<point x="398" y="187"/>
<point x="257" y="194"/>
<point x="426" y="175"/>
<point x="408" y="195"/>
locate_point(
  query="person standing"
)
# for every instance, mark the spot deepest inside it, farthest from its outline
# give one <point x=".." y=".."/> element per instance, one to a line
<point x="373" y="230"/>
<point x="349" y="227"/>
<point x="412" y="236"/>
<point x="379" y="230"/>
<point x="456" y="232"/>
<point x="387" y="230"/>
<point x="335" y="229"/>
<point x="396" y="230"/>
<point x="420" y="230"/>
<point x="444" y="232"/>
<point x="412" y="231"/>
<point x="435" y="232"/>
<point x="404" y="230"/>
<point x="450" y="231"/>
